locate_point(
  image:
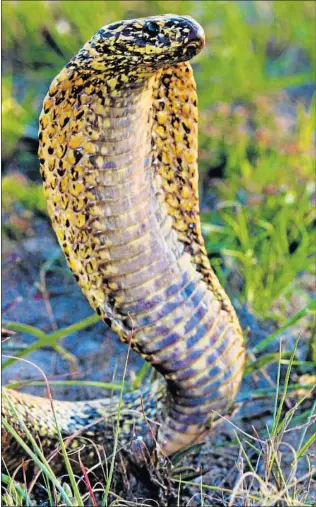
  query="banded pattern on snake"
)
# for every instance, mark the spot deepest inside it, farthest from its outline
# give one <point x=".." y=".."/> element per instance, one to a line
<point x="118" y="154"/>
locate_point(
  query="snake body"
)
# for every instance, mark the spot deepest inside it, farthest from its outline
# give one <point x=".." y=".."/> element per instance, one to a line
<point x="118" y="154"/>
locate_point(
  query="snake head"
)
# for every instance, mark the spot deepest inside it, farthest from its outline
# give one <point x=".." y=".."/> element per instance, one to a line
<point x="146" y="44"/>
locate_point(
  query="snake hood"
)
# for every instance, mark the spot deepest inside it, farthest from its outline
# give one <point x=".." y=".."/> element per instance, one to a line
<point x="145" y="44"/>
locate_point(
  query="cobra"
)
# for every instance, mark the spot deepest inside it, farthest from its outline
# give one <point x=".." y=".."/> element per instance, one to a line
<point x="118" y="154"/>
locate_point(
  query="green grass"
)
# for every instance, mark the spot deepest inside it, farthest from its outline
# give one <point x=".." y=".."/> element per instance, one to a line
<point x="264" y="220"/>
<point x="58" y="492"/>
<point x="44" y="339"/>
<point x="30" y="195"/>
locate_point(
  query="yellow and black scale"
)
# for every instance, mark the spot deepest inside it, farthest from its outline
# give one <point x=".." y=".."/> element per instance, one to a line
<point x="118" y="153"/>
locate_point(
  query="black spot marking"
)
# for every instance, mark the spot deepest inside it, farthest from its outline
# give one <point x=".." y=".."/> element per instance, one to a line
<point x="93" y="160"/>
<point x="172" y="23"/>
<point x="80" y="115"/>
<point x="101" y="96"/>
<point x="187" y="130"/>
<point x="78" y="155"/>
<point x="60" y="99"/>
<point x="66" y="120"/>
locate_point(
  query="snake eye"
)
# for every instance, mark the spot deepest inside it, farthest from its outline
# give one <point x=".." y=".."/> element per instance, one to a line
<point x="151" y="28"/>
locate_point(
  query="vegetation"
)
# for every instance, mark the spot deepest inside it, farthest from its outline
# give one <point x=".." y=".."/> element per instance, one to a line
<point x="258" y="208"/>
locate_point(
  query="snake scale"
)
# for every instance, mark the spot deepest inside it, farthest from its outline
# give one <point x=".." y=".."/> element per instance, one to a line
<point x="118" y="154"/>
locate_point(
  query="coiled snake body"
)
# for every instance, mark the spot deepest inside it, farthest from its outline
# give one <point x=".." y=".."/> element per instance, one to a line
<point x="118" y="154"/>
